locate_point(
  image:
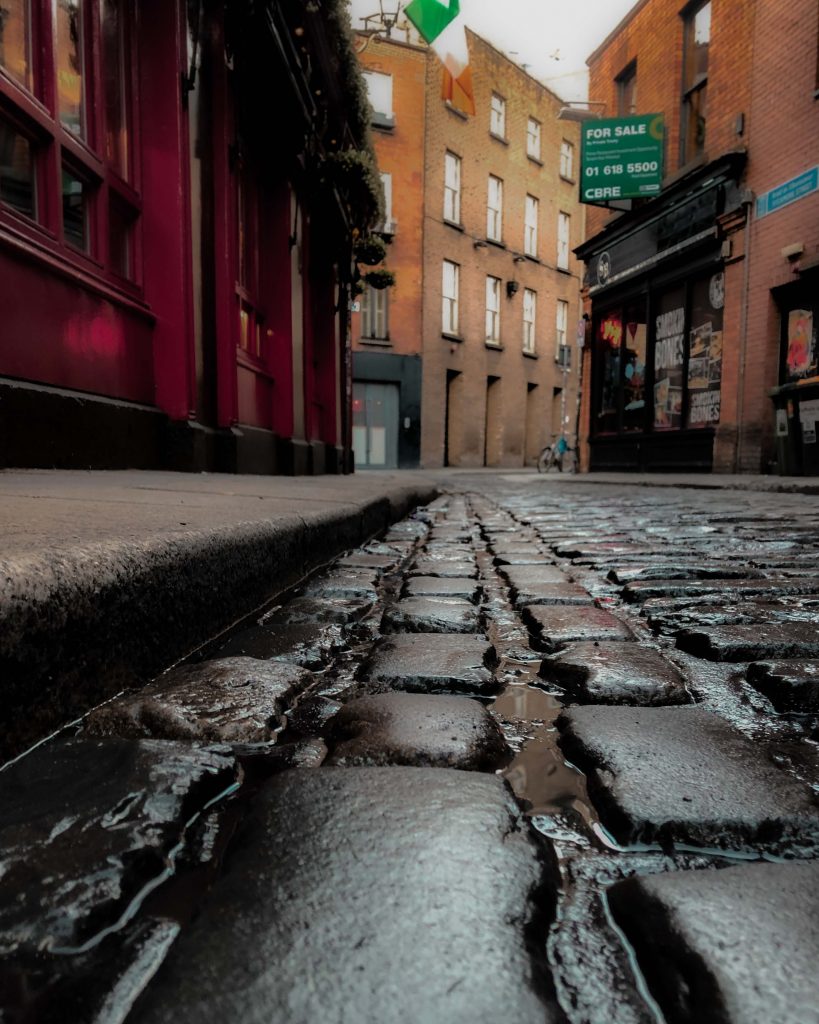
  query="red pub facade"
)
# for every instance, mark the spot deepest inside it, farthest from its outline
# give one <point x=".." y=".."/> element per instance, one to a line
<point x="175" y="258"/>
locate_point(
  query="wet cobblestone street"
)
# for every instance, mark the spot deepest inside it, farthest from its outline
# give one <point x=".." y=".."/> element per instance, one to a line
<point x="539" y="753"/>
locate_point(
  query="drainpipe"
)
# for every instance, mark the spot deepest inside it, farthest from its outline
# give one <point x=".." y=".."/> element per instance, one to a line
<point x="747" y="200"/>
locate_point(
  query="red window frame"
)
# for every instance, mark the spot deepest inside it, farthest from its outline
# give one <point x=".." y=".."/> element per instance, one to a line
<point x="35" y="115"/>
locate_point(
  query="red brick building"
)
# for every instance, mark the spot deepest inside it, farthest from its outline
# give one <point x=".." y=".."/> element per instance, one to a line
<point x="487" y="298"/>
<point x="699" y="294"/>
<point x="176" y="233"/>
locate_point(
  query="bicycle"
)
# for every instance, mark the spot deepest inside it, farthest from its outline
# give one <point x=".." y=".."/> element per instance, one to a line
<point x="557" y="455"/>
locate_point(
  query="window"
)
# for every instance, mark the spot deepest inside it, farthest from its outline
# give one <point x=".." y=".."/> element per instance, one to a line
<point x="497" y="116"/>
<point x="379" y="93"/>
<point x="626" y="83"/>
<point x="563" y="240"/>
<point x="530" y="226"/>
<point x="247" y="243"/>
<point x="449" y="310"/>
<point x="493" y="291"/>
<point x="388" y="227"/>
<point x="375" y="313"/>
<point x="452" y="188"/>
<point x="561" y="328"/>
<point x="529" y="310"/>
<point x="533" y="138"/>
<point x="697" y="36"/>
<point x="566" y="160"/>
<point x="494" y="209"/>
<point x="70" y="74"/>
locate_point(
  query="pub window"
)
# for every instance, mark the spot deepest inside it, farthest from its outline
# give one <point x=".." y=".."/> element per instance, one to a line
<point x="70" y="74"/>
<point x="696" y="41"/>
<point x="626" y="83"/>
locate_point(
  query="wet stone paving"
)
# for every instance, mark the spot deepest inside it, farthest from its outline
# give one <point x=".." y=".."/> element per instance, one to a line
<point x="537" y="754"/>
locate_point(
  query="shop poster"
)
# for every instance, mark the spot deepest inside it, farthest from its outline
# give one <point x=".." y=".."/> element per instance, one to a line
<point x="668" y="368"/>
<point x="704" y="375"/>
<point x="801" y="357"/>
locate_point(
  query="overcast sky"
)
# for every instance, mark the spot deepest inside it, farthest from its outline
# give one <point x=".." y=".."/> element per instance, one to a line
<point x="552" y="37"/>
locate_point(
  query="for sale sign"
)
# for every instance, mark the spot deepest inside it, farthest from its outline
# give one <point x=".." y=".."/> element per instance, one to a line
<point x="622" y="158"/>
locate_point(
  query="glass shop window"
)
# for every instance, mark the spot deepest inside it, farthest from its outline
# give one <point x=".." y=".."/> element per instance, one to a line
<point x="705" y="351"/>
<point x="609" y="344"/>
<point x="669" y="359"/>
<point x="635" y="339"/>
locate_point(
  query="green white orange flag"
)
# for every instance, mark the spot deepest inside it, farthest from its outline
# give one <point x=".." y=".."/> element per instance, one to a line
<point x="442" y="25"/>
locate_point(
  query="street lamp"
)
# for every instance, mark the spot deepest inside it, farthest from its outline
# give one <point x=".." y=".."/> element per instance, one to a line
<point x="389" y="12"/>
<point x="578" y="110"/>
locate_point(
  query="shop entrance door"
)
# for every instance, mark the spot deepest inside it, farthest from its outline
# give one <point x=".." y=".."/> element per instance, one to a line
<point x="375" y="425"/>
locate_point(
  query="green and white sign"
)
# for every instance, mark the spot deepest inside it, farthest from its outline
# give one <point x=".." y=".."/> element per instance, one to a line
<point x="622" y="158"/>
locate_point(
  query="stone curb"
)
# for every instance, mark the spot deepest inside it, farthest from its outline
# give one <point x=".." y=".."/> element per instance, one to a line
<point x="77" y="627"/>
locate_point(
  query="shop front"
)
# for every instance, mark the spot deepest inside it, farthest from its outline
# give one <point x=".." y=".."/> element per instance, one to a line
<point x="656" y="281"/>
<point x="796" y="398"/>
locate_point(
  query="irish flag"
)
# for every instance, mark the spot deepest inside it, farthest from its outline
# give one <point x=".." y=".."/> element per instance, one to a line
<point x="441" y="23"/>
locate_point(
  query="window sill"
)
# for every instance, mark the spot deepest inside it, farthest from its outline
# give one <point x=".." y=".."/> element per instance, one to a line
<point x="564" y="270"/>
<point x="454" y="224"/>
<point x="376" y="342"/>
<point x="255" y="364"/>
<point x="569" y="181"/>
<point x="452" y="337"/>
<point x="384" y="122"/>
<point x="496" y="345"/>
<point x="499" y="138"/>
<point x="530" y="355"/>
<point x="455" y="111"/>
<point x="535" y="159"/>
<point x="66" y="264"/>
<point x="530" y="258"/>
<point x="497" y="244"/>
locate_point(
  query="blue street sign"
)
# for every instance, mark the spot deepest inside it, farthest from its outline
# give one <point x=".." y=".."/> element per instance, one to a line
<point x="783" y="195"/>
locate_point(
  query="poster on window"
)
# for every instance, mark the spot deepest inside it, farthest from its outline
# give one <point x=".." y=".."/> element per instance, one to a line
<point x="669" y="338"/>
<point x="704" y="375"/>
<point x="801" y="357"/>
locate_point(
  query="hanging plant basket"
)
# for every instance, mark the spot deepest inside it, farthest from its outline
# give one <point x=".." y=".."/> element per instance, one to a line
<point x="380" y="279"/>
<point x="354" y="173"/>
<point x="370" y="250"/>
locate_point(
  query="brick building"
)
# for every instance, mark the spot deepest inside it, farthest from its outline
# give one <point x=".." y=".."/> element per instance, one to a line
<point x="693" y="293"/>
<point x="492" y="317"/>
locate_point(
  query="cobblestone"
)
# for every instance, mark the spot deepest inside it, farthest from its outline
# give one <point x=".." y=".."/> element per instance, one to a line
<point x="370" y="865"/>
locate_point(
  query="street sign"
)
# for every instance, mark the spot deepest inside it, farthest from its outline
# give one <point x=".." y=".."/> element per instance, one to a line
<point x="783" y="195"/>
<point x="622" y="158"/>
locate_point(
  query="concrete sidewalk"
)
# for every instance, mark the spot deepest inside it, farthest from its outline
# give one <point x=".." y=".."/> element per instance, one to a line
<point x="107" y="578"/>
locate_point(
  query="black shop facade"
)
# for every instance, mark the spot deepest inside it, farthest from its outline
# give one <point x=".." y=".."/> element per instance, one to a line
<point x="655" y="279"/>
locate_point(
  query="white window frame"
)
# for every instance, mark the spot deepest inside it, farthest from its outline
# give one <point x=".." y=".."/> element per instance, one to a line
<point x="561" y="326"/>
<point x="497" y="116"/>
<point x="529" y="318"/>
<point x="379" y="93"/>
<point x="493" y="293"/>
<point x="449" y="297"/>
<point x="531" y="211"/>
<point x="567" y="160"/>
<point x="452" y="188"/>
<point x="564" y="234"/>
<point x="533" y="138"/>
<point x="494" y="209"/>
<point x="388" y="227"/>
<point x="375" y="305"/>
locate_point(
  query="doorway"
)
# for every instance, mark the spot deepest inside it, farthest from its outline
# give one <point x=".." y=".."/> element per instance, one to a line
<point x="375" y="425"/>
<point x="493" y="427"/>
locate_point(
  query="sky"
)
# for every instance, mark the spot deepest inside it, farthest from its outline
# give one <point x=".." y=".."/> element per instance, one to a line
<point x="552" y="38"/>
